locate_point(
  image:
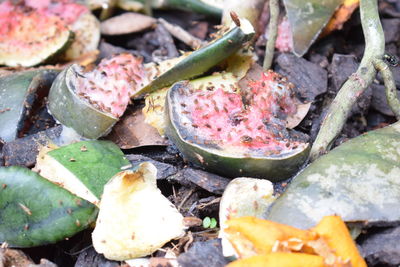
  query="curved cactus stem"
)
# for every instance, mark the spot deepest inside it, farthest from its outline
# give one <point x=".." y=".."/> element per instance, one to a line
<point x="357" y="82"/>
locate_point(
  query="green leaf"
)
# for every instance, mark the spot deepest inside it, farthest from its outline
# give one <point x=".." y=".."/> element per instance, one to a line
<point x="213" y="223"/>
<point x="34" y="211"/>
<point x="359" y="181"/>
<point x="206" y="222"/>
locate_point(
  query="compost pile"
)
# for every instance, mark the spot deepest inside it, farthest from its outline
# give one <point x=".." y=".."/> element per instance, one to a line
<point x="153" y="133"/>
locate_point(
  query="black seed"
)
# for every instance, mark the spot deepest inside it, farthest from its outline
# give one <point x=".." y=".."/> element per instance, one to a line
<point x="246" y="139"/>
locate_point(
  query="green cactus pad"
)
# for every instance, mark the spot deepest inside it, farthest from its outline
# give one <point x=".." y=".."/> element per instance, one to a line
<point x="83" y="168"/>
<point x="358" y="180"/>
<point x="17" y="94"/>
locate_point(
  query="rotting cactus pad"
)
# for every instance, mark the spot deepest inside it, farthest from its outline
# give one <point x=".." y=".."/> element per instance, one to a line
<point x="28" y="38"/>
<point x="111" y="84"/>
<point x="220" y="125"/>
<point x="223" y="118"/>
<point x="33" y="31"/>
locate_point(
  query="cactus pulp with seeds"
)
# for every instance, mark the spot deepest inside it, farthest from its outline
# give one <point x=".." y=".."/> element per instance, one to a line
<point x="28" y="38"/>
<point x="237" y="134"/>
<point x="91" y="102"/>
<point x="33" y="31"/>
<point x="34" y="211"/>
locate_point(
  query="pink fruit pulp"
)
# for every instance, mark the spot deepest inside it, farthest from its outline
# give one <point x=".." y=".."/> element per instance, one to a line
<point x="66" y="10"/>
<point x="223" y="118"/>
<point x="284" y="40"/>
<point x="111" y="84"/>
<point x="27" y="33"/>
<point x="27" y="24"/>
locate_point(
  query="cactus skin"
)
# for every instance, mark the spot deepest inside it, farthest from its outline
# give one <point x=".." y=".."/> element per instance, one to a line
<point x="83" y="168"/>
<point x="91" y="102"/>
<point x="18" y="92"/>
<point x="34" y="211"/>
<point x="217" y="130"/>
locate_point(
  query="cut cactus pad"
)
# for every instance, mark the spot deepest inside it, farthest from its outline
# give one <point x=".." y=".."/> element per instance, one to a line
<point x="28" y="38"/>
<point x="237" y="134"/>
<point x="82" y="168"/>
<point x="34" y="31"/>
<point x="92" y="102"/>
<point x="110" y="86"/>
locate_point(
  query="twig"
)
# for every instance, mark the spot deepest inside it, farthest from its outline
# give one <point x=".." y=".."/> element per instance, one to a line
<point x="185" y="198"/>
<point x="391" y="91"/>
<point x="165" y="40"/>
<point x="181" y="34"/>
<point x="272" y="33"/>
<point x="203" y="205"/>
<point x="189" y="242"/>
<point x="357" y="82"/>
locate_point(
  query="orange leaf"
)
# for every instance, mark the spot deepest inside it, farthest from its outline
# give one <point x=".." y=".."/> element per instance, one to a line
<point x="342" y="14"/>
<point x="280" y="259"/>
<point x="334" y="231"/>
<point x="250" y="236"/>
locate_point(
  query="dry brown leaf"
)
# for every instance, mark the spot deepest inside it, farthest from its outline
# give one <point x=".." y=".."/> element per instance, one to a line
<point x="126" y="23"/>
<point x="13" y="257"/>
<point x="131" y="131"/>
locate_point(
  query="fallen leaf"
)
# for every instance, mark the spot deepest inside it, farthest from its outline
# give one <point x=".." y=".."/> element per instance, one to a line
<point x="307" y="19"/>
<point x="126" y="23"/>
<point x="132" y="131"/>
<point x="342" y="14"/>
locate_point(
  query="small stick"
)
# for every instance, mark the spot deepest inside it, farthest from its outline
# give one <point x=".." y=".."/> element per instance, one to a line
<point x="272" y="33"/>
<point x="181" y="34"/>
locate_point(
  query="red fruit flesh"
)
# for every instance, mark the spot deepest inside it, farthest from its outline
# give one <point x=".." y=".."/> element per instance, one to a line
<point x="33" y="30"/>
<point x="222" y="118"/>
<point x="24" y="31"/>
<point x="66" y="10"/>
<point x="111" y="84"/>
